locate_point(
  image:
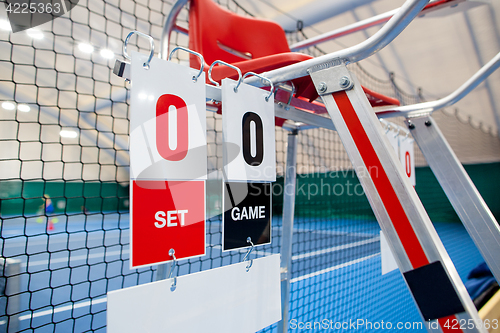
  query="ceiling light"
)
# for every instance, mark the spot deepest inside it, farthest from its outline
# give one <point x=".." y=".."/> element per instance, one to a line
<point x="35" y="33"/>
<point x="84" y="47"/>
<point x="8" y="106"/>
<point x="68" y="134"/>
<point x="108" y="54"/>
<point x="5" y="25"/>
<point x="23" y="108"/>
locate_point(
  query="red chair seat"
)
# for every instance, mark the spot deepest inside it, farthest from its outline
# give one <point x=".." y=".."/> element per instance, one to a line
<point x="252" y="45"/>
<point x="304" y="85"/>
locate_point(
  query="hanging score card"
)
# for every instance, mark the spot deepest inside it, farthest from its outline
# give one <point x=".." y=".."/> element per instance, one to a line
<point x="393" y="137"/>
<point x="248" y="125"/>
<point x="168" y="162"/>
<point x="247" y="213"/>
<point x="167" y="121"/>
<point x="167" y="215"/>
<point x="407" y="157"/>
<point x="403" y="147"/>
<point x="227" y="299"/>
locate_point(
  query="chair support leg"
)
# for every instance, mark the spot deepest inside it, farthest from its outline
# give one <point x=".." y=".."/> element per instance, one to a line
<point x="460" y="190"/>
<point x="429" y="272"/>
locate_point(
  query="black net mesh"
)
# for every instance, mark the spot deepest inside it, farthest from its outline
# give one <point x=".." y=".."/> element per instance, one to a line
<point x="64" y="171"/>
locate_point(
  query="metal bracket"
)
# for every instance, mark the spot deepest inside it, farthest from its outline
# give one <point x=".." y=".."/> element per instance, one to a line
<point x="122" y="69"/>
<point x="338" y="78"/>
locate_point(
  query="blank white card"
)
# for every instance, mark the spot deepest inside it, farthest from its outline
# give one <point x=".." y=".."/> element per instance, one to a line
<point x="226" y="299"/>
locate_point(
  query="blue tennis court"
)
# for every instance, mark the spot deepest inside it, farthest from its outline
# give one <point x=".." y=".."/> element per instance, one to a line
<point x="359" y="99"/>
<point x="335" y="272"/>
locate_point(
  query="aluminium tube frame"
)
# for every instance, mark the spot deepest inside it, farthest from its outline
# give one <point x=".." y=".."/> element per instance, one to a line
<point x="365" y="24"/>
<point x="414" y="110"/>
<point x="351" y="28"/>
<point x="463" y="195"/>
<point x="426" y="108"/>
<point x="287" y="227"/>
<point x="400" y="20"/>
<point x="384" y="36"/>
<point x="412" y="238"/>
<point x="169" y="26"/>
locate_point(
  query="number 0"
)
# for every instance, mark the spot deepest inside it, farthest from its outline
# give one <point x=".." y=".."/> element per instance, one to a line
<point x="408" y="163"/>
<point x="165" y="104"/>
<point x="248" y="119"/>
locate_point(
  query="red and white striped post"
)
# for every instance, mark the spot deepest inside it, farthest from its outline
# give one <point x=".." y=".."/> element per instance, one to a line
<point x="428" y="270"/>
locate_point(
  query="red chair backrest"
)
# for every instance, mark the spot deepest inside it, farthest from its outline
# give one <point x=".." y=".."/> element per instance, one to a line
<point x="214" y="30"/>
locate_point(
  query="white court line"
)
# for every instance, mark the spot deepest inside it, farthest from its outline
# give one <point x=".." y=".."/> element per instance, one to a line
<point x="64" y="308"/>
<point x="333" y="268"/>
<point x="265" y="253"/>
<point x="336" y="248"/>
<point x="116" y="253"/>
<point x="73" y="258"/>
<point x="295" y="257"/>
<point x="60" y="238"/>
<point x="104" y="299"/>
<point x="337" y="233"/>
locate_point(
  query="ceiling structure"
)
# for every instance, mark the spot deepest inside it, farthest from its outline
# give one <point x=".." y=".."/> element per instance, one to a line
<point x="74" y="89"/>
<point x="437" y="52"/>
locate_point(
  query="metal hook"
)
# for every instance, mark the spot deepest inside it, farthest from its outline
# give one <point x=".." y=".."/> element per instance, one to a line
<point x="249" y="240"/>
<point x="171" y="253"/>
<point x="262" y="78"/>
<point x="291" y="95"/>
<point x="387" y="125"/>
<point x="407" y="133"/>
<point x="226" y="64"/>
<point x="151" y="42"/>
<point x="283" y="86"/>
<point x="404" y="130"/>
<point x="195" y="78"/>
<point x="397" y="129"/>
